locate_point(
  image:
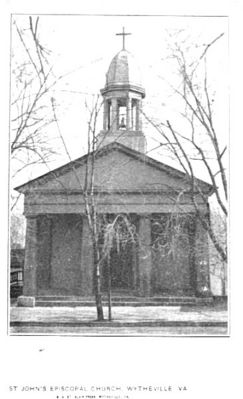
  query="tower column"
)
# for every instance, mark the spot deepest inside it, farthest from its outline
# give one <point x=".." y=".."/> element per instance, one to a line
<point x="138" y="115"/>
<point x="129" y="109"/>
<point x="114" y="114"/>
<point x="105" y="116"/>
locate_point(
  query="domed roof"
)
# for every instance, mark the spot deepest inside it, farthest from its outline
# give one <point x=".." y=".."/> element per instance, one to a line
<point x="123" y="71"/>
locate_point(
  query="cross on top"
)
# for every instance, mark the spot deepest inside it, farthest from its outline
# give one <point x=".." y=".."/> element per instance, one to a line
<point x="123" y="34"/>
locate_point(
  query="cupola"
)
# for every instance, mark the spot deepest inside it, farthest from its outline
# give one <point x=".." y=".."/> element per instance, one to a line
<point x="122" y="98"/>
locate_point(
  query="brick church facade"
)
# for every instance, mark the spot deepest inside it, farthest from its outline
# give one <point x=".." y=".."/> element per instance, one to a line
<point x="170" y="253"/>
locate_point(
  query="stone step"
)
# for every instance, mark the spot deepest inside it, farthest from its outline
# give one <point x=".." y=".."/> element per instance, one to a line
<point x="87" y="304"/>
<point x="124" y="298"/>
<point x="162" y="301"/>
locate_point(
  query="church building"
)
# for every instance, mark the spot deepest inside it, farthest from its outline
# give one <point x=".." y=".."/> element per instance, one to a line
<point x="169" y="255"/>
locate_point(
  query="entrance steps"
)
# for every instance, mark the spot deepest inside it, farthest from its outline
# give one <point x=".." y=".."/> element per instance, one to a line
<point x="73" y="301"/>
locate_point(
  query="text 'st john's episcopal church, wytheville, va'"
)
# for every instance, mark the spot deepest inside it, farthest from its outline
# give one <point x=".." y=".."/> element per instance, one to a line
<point x="168" y="258"/>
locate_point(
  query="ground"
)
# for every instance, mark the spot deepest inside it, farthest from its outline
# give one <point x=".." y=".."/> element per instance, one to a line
<point x="152" y="320"/>
<point x="121" y="331"/>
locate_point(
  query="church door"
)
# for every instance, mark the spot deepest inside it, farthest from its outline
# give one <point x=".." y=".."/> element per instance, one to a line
<point x="122" y="270"/>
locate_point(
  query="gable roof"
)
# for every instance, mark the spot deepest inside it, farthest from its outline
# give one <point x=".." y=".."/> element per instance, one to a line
<point x="149" y="162"/>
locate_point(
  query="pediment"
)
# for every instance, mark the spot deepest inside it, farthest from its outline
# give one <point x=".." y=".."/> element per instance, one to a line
<point x="117" y="168"/>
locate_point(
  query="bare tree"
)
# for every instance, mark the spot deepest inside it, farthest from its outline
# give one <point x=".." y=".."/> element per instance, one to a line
<point x="31" y="85"/>
<point x="197" y="144"/>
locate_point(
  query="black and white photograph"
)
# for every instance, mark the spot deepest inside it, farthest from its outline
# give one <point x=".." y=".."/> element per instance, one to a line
<point x="119" y="132"/>
<point x="121" y="217"/>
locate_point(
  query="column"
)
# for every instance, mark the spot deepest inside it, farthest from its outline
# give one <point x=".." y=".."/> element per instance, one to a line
<point x="44" y="253"/>
<point x="202" y="259"/>
<point x="105" y="116"/>
<point x="114" y="116"/>
<point x="30" y="263"/>
<point x="145" y="255"/>
<point x="138" y="115"/>
<point x="129" y="110"/>
<point x="135" y="270"/>
<point x="87" y="259"/>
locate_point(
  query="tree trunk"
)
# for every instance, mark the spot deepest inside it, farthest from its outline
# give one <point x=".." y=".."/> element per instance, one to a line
<point x="223" y="287"/>
<point x="223" y="281"/>
<point x="98" y="296"/>
<point x="109" y="287"/>
<point x="97" y="285"/>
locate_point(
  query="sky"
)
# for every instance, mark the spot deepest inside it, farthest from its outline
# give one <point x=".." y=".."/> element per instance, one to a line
<point x="83" y="46"/>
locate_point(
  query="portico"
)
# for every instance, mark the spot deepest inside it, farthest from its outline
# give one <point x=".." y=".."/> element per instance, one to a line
<point x="59" y="252"/>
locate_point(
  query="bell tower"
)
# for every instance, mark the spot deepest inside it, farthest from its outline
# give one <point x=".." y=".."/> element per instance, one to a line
<point x="122" y="97"/>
